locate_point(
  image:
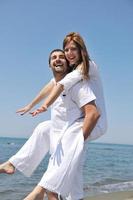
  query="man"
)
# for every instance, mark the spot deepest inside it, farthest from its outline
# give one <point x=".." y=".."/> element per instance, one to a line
<point x="69" y="129"/>
<point x="59" y="67"/>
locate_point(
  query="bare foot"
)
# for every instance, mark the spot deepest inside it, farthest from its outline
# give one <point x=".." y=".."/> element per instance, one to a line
<point x="36" y="194"/>
<point x="7" y="168"/>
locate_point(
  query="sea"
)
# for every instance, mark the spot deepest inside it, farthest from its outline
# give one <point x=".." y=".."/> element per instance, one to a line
<point x="107" y="168"/>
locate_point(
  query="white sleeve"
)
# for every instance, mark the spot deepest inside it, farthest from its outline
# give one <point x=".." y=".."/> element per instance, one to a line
<point x="52" y="80"/>
<point x="82" y="94"/>
<point x="76" y="75"/>
<point x="93" y="70"/>
<point x="71" y="79"/>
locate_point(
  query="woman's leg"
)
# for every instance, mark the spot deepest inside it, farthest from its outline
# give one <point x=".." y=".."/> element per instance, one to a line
<point x="7" y="168"/>
<point x="31" y="154"/>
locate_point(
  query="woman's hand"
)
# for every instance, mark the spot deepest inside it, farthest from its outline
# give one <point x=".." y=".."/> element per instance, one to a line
<point x="39" y="110"/>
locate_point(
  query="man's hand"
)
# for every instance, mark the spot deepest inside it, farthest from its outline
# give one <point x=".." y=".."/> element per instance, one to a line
<point x="91" y="116"/>
<point x="38" y="111"/>
<point x="24" y="110"/>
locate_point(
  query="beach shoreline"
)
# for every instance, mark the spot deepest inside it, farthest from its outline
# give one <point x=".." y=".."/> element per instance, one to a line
<point x="122" y="195"/>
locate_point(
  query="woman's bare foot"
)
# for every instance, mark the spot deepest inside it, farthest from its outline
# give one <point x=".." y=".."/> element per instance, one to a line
<point x="7" y="168"/>
<point x="36" y="194"/>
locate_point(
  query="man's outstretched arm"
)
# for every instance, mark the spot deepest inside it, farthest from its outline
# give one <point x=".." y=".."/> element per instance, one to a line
<point x="41" y="95"/>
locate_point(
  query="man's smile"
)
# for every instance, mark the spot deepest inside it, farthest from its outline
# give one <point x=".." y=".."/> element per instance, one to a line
<point x="58" y="66"/>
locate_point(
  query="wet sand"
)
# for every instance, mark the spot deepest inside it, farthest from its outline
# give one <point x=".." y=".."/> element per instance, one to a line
<point x="125" y="195"/>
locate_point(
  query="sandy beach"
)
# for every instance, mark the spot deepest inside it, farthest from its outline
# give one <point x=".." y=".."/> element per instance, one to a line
<point x="128" y="195"/>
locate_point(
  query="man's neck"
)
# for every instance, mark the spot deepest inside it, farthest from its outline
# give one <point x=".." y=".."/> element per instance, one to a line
<point x="58" y="77"/>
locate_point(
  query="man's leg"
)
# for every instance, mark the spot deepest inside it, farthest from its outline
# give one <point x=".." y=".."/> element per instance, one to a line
<point x="31" y="154"/>
<point x="77" y="192"/>
<point x="36" y="194"/>
<point x="52" y="195"/>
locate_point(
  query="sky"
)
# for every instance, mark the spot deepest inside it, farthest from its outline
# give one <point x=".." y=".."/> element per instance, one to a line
<point x="30" y="29"/>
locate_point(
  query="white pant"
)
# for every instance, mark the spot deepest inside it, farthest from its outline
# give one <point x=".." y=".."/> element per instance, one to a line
<point x="64" y="172"/>
<point x="33" y="151"/>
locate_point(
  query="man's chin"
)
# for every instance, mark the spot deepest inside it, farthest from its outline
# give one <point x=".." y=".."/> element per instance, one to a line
<point x="59" y="71"/>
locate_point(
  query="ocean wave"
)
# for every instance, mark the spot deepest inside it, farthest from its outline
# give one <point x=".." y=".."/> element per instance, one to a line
<point x="2" y="192"/>
<point x="10" y="143"/>
<point x="108" y="149"/>
<point x="107" y="181"/>
<point x="115" y="187"/>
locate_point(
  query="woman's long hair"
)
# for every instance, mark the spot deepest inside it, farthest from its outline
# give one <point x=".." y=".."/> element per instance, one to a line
<point x="75" y="37"/>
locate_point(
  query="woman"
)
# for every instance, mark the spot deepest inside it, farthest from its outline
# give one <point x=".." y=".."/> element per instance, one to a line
<point x="82" y="68"/>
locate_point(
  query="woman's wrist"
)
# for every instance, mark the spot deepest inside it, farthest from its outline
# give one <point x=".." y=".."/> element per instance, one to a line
<point x="44" y="107"/>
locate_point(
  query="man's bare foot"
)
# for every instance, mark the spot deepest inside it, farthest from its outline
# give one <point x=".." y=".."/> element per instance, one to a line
<point x="36" y="194"/>
<point x="7" y="168"/>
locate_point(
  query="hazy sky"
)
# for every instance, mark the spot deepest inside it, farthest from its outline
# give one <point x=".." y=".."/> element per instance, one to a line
<point x="30" y="29"/>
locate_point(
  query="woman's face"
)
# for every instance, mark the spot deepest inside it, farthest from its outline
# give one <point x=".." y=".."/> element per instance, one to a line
<point x="72" y="53"/>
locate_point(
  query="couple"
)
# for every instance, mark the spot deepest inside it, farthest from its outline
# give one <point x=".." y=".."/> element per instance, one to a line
<point x="74" y="115"/>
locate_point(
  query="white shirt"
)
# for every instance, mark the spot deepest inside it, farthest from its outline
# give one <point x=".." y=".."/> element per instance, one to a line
<point x="96" y="85"/>
<point x="67" y="107"/>
<point x="66" y="110"/>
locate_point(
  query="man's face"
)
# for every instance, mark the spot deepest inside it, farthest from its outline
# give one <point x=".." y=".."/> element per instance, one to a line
<point x="72" y="53"/>
<point x="58" y="62"/>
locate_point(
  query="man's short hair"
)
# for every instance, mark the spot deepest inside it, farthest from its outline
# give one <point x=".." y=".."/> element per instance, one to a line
<point x="55" y="50"/>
